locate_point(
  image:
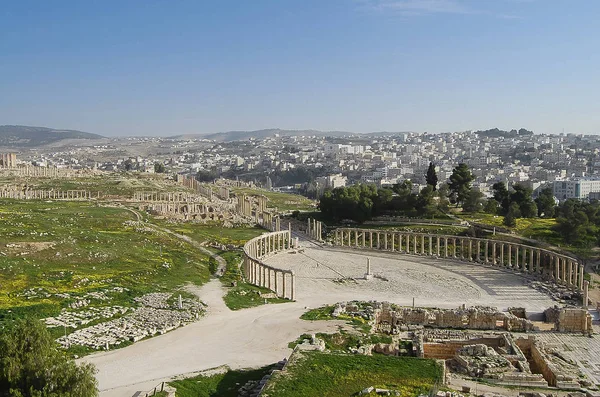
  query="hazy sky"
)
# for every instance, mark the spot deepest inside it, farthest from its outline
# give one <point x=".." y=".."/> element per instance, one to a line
<point x="165" y="67"/>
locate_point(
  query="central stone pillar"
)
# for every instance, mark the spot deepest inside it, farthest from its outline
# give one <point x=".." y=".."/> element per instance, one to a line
<point x="586" y="294"/>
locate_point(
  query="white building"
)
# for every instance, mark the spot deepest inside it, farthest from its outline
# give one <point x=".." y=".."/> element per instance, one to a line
<point x="577" y="188"/>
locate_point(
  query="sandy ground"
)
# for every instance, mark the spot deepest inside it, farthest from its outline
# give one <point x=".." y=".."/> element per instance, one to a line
<point x="259" y="336"/>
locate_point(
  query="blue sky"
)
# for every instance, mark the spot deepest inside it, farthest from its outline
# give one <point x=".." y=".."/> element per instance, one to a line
<point x="168" y="67"/>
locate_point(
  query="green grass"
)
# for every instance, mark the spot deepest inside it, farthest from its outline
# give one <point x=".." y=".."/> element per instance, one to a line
<point x="244" y="295"/>
<point x="237" y="236"/>
<point x="86" y="247"/>
<point x="220" y="385"/>
<point x="332" y="375"/>
<point x="321" y="313"/>
<point x="107" y="184"/>
<point x="281" y="201"/>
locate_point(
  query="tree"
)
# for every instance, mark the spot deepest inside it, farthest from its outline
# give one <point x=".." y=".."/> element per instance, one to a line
<point x="473" y="201"/>
<point x="424" y="203"/>
<point x="510" y="219"/>
<point x="31" y="365"/>
<point x="431" y="176"/>
<point x="159" y="167"/>
<point x="491" y="206"/>
<point x="521" y="195"/>
<point x="545" y="203"/>
<point x="502" y="196"/>
<point x="460" y="183"/>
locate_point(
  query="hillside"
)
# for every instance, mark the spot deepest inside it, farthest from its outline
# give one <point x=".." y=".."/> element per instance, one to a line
<point x="26" y="136"/>
<point x="261" y="134"/>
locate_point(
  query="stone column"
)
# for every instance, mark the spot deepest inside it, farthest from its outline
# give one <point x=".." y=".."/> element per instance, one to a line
<point x="385" y="247"/>
<point x="356" y="238"/>
<point x="454" y="248"/>
<point x="586" y="294"/>
<point x="283" y="284"/>
<point x="486" y="256"/>
<point x="276" y="283"/>
<point x="478" y="256"/>
<point x="437" y="242"/>
<point x="581" y="273"/>
<point x="445" y="247"/>
<point x="370" y="239"/>
<point x="510" y="255"/>
<point x="430" y="244"/>
<point x="516" y="256"/>
<point x="378" y="245"/>
<point x="563" y="270"/>
<point x="556" y="269"/>
<point x="538" y="262"/>
<point x="470" y="250"/>
<point x="570" y="273"/>
<point x="392" y="235"/>
<point x="363" y="239"/>
<point x="502" y="254"/>
<point x="422" y="244"/>
<point x="524" y="259"/>
<point x="415" y="244"/>
<point x="293" y="285"/>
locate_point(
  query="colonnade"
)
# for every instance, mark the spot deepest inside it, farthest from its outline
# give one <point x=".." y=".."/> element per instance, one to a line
<point x="314" y="229"/>
<point x="47" y="194"/>
<point x="171" y="197"/>
<point x="281" y="282"/>
<point x="549" y="265"/>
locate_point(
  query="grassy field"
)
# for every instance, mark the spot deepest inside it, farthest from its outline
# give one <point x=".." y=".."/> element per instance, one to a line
<point x="220" y="385"/>
<point x="332" y="375"/>
<point x="281" y="201"/>
<point x="50" y="248"/>
<point x="111" y="184"/>
<point x="213" y="232"/>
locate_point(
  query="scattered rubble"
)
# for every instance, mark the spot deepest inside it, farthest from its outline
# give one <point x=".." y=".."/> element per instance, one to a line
<point x="155" y="316"/>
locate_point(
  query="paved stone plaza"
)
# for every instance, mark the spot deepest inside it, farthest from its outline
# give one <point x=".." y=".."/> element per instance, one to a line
<point x="400" y="278"/>
<point x="259" y="336"/>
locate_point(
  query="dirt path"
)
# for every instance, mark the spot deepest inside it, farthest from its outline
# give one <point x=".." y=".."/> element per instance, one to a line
<point x="222" y="263"/>
<point x="241" y="339"/>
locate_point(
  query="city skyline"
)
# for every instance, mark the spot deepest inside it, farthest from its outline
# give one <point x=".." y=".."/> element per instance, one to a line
<point x="358" y="66"/>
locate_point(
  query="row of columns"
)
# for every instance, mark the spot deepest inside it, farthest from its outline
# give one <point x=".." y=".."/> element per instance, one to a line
<point x="173" y="197"/>
<point x="191" y="182"/>
<point x="48" y="194"/>
<point x="282" y="282"/>
<point x="314" y="229"/>
<point x="560" y="268"/>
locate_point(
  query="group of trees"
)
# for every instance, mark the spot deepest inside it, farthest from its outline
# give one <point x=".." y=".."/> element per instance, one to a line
<point x="31" y="365"/>
<point x="578" y="222"/>
<point x="363" y="201"/>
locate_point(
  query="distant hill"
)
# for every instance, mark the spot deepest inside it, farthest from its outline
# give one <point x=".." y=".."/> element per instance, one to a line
<point x="496" y="133"/>
<point x="261" y="134"/>
<point x="25" y="136"/>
